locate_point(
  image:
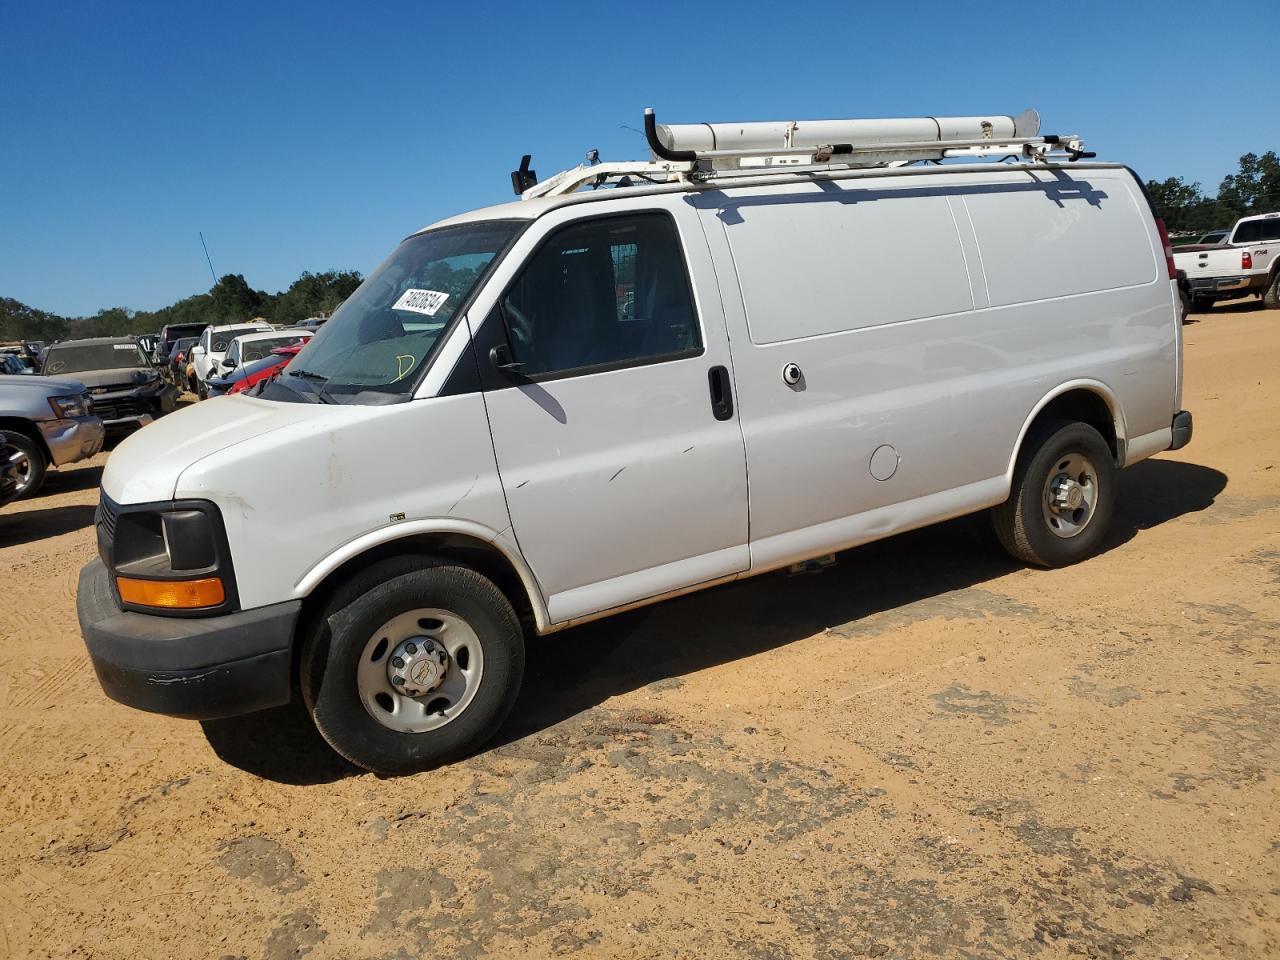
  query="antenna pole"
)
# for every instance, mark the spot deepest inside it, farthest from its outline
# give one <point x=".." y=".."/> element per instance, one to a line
<point x="207" y="260"/>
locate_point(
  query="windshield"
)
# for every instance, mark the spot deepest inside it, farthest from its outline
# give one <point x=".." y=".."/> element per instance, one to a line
<point x="257" y="349"/>
<point x="79" y="357"/>
<point x="221" y="339"/>
<point x="380" y="338"/>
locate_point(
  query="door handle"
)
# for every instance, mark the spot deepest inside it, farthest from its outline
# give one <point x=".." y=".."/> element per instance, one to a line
<point x="721" y="393"/>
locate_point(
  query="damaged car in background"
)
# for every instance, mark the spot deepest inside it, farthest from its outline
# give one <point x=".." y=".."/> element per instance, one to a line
<point x="126" y="388"/>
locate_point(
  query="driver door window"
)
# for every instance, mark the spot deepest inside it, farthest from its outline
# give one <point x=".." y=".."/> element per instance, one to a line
<point x="604" y="293"/>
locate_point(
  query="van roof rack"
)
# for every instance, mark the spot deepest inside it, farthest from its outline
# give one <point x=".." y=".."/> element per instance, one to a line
<point x="700" y="152"/>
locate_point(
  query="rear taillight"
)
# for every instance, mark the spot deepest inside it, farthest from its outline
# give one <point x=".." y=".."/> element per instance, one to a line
<point x="1246" y="260"/>
<point x="1168" y="249"/>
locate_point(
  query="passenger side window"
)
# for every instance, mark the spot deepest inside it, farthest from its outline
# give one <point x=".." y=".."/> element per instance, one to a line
<point x="609" y="291"/>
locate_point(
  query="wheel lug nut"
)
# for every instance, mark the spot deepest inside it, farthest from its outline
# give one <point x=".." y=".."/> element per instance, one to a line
<point x="397" y="662"/>
<point x="398" y="681"/>
<point x="411" y="648"/>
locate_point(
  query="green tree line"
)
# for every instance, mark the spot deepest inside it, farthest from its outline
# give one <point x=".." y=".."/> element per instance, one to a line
<point x="230" y="300"/>
<point x="1253" y="188"/>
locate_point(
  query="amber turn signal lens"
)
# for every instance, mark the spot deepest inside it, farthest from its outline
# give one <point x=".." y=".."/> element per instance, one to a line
<point x="172" y="594"/>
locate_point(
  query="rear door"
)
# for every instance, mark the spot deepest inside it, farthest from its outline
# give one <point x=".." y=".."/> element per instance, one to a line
<point x="617" y="439"/>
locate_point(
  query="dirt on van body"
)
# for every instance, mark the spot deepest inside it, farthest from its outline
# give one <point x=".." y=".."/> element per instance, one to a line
<point x="924" y="751"/>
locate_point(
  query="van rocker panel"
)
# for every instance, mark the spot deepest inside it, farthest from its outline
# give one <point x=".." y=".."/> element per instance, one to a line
<point x="199" y="669"/>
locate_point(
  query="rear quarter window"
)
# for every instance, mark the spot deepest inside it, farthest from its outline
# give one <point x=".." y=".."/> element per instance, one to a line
<point x="1057" y="236"/>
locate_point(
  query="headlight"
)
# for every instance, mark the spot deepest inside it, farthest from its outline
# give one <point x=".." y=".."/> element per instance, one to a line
<point x="77" y="405"/>
<point x="169" y="557"/>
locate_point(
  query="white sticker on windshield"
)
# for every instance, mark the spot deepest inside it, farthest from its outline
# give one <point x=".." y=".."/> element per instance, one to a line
<point x="421" y="301"/>
<point x="123" y="346"/>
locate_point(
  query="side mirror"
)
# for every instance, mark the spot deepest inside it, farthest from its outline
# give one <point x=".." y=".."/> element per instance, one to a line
<point x="197" y="351"/>
<point x="500" y="357"/>
<point x="228" y="364"/>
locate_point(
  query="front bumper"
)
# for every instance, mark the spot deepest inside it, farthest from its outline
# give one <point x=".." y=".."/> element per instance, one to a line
<point x="70" y="440"/>
<point x="133" y="407"/>
<point x="197" y="668"/>
<point x="1231" y="285"/>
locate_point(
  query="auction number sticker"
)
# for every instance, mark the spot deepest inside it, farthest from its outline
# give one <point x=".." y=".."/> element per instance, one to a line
<point x="421" y="301"/>
<point x="123" y="346"/>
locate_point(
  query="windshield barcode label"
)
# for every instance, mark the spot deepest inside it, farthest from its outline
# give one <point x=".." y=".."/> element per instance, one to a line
<point x="421" y="301"/>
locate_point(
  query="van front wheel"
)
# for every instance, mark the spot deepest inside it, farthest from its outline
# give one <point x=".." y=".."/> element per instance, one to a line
<point x="1063" y="496"/>
<point x="414" y="663"/>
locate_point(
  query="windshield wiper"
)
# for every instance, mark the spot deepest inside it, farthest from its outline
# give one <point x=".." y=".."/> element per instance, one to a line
<point x="318" y="379"/>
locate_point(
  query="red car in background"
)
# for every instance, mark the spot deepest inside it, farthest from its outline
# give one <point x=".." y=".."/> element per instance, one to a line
<point x="260" y="370"/>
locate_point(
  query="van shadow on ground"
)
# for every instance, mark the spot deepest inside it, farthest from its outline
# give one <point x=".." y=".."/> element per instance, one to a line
<point x="575" y="670"/>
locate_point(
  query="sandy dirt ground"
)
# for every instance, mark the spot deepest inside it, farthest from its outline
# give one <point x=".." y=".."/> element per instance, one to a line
<point x="924" y="751"/>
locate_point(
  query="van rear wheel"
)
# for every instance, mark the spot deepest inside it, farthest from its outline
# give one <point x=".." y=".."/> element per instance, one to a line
<point x="1063" y="496"/>
<point x="414" y="663"/>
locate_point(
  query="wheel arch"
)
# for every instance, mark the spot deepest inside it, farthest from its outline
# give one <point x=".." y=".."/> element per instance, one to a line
<point x="468" y="543"/>
<point x="29" y="430"/>
<point x="1088" y="401"/>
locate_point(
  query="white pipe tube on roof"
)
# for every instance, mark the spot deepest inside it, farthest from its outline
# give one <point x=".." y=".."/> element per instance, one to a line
<point x="779" y="134"/>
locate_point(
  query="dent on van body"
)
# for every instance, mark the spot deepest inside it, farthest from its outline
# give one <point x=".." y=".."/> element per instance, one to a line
<point x="302" y="494"/>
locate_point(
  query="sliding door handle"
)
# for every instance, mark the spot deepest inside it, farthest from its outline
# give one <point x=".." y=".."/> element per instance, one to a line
<point x="721" y="392"/>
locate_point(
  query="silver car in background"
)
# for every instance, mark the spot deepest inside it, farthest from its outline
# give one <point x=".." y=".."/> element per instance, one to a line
<point x="48" y="421"/>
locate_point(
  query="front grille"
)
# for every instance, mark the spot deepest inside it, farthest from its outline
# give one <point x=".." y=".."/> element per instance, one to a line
<point x="104" y="521"/>
<point x="118" y="409"/>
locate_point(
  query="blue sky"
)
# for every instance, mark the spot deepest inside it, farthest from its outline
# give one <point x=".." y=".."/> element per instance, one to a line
<point x="305" y="137"/>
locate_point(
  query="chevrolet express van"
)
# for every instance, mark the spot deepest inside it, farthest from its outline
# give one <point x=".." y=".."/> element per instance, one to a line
<point x="760" y="346"/>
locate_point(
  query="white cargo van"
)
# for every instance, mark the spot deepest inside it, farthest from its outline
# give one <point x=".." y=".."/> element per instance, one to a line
<point x="764" y="344"/>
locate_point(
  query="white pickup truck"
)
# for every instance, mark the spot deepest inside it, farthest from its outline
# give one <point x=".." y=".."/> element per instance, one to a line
<point x="1248" y="262"/>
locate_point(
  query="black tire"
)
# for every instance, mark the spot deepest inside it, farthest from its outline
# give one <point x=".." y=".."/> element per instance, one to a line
<point x="202" y="392"/>
<point x="1271" y="298"/>
<point x="37" y="466"/>
<point x="385" y="590"/>
<point x="1184" y="305"/>
<point x="1020" y="521"/>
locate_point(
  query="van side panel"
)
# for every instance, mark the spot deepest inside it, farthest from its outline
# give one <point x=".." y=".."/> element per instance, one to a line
<point x="789" y="293"/>
<point x="1037" y="244"/>
<point x="914" y="391"/>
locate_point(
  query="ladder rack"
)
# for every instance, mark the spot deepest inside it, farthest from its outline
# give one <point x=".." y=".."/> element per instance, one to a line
<point x="769" y="148"/>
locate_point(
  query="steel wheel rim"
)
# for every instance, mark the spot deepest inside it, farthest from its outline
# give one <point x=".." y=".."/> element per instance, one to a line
<point x="1070" y="495"/>
<point x="463" y="670"/>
